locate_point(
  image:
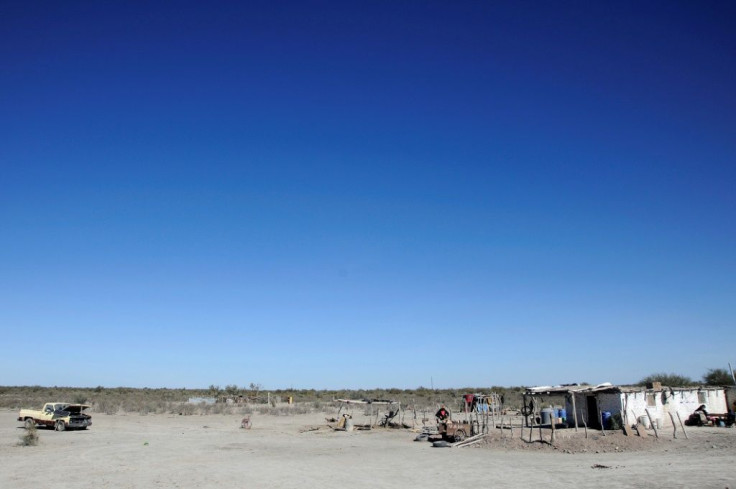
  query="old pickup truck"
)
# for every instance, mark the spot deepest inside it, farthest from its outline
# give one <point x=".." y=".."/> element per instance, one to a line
<point x="57" y="415"/>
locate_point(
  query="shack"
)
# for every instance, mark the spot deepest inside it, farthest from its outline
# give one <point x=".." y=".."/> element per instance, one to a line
<point x="610" y="405"/>
<point x="731" y="397"/>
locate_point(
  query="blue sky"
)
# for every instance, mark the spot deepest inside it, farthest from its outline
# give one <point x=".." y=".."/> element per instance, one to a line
<point x="340" y="194"/>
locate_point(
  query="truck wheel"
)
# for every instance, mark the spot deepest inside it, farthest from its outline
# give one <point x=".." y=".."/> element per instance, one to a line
<point x="459" y="436"/>
<point x="30" y="423"/>
<point x="60" y="426"/>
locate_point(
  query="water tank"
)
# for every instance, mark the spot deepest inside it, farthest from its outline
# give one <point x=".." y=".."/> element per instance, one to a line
<point x="547" y="415"/>
<point x="562" y="414"/>
<point x="606" y="415"/>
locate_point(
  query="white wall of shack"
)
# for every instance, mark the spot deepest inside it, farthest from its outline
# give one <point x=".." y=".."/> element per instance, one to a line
<point x="687" y="401"/>
<point x="677" y="402"/>
<point x="635" y="404"/>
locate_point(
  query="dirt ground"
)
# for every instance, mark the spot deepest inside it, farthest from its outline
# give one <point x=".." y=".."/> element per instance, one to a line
<point x="135" y="451"/>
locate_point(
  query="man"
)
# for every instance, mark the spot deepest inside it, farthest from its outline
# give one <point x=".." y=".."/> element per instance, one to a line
<point x="443" y="414"/>
<point x="469" y="401"/>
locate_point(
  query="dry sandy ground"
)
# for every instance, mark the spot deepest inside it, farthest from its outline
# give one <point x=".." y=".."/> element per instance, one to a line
<point x="134" y="451"/>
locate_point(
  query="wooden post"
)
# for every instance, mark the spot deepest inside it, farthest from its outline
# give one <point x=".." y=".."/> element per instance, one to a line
<point x="682" y="425"/>
<point x="530" y="432"/>
<point x="531" y="423"/>
<point x="525" y="405"/>
<point x="651" y="421"/>
<point x="639" y="426"/>
<point x="552" y="425"/>
<point x="586" y="428"/>
<point x="492" y="408"/>
<point x="541" y="438"/>
<point x="674" y="426"/>
<point x="574" y="412"/>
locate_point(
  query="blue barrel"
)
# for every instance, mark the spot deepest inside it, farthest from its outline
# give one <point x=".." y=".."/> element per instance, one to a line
<point x="547" y="415"/>
<point x="606" y="415"/>
<point x="561" y="413"/>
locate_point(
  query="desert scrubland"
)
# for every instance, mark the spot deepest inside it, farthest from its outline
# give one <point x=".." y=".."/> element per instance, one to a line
<point x="301" y="450"/>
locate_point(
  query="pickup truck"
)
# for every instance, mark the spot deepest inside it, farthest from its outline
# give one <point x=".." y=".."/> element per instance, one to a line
<point x="57" y="415"/>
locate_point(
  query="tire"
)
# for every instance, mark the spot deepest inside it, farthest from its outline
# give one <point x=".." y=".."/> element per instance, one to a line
<point x="441" y="444"/>
<point x="459" y="436"/>
<point x="30" y="423"/>
<point x="60" y="426"/>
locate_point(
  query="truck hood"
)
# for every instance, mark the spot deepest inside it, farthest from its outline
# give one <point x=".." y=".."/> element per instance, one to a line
<point x="75" y="408"/>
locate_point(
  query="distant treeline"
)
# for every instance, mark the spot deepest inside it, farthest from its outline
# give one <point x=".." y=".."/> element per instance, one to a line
<point x="146" y="400"/>
<point x="253" y="397"/>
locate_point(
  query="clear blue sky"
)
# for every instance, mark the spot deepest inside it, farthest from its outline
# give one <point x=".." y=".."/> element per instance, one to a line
<point x="342" y="194"/>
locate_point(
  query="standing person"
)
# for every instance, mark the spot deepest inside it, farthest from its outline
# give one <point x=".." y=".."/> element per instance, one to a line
<point x="469" y="402"/>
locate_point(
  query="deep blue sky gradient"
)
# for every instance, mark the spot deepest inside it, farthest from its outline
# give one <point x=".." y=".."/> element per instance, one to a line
<point x="331" y="194"/>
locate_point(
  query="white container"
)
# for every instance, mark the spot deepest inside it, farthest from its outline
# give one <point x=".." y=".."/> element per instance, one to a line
<point x="644" y="420"/>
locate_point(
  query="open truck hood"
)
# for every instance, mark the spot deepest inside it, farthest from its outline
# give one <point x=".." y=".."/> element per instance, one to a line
<point x="75" y="408"/>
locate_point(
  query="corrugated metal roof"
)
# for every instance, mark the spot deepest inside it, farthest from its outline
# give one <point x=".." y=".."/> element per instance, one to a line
<point x="608" y="387"/>
<point x="568" y="388"/>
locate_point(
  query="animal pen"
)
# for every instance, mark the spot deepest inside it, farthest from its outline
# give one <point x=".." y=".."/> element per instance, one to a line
<point x="481" y="411"/>
<point x="380" y="412"/>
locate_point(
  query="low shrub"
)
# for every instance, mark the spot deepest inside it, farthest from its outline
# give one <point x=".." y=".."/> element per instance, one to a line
<point x="30" y="437"/>
<point x="107" y="407"/>
<point x="185" y="409"/>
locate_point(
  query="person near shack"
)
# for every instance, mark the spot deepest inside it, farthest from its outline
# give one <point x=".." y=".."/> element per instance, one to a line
<point x="443" y="414"/>
<point x="702" y="416"/>
<point x="469" y="402"/>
